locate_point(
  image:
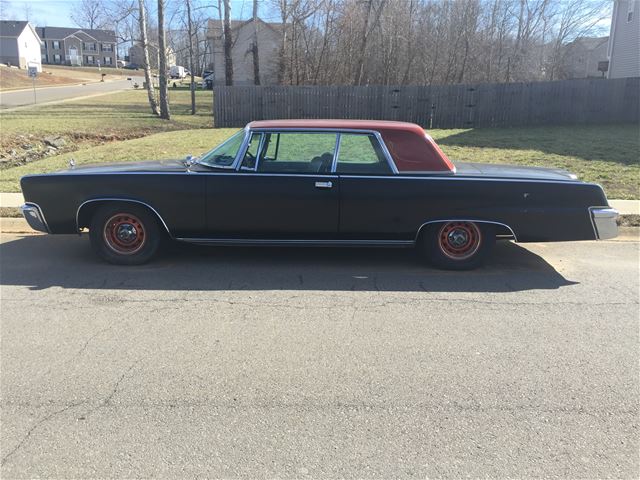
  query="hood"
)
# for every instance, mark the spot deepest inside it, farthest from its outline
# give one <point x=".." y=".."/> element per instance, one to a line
<point x="512" y="171"/>
<point x="148" y="166"/>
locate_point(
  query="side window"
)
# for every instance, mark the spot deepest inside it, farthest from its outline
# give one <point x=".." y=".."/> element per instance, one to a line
<point x="361" y="154"/>
<point x="297" y="153"/>
<point x="251" y="155"/>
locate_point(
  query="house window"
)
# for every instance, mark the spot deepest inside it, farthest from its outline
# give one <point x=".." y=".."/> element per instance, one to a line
<point x="55" y="45"/>
<point x="89" y="58"/>
<point x="107" y="47"/>
<point x="107" y="60"/>
<point x="89" y="46"/>
<point x="630" y="8"/>
<point x="56" y="58"/>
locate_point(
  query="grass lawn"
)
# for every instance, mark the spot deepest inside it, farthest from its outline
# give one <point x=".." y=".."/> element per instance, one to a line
<point x="607" y="155"/>
<point x="93" y="121"/>
<point x="122" y="112"/>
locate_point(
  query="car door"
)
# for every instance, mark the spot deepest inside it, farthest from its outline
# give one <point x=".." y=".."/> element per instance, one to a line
<point x="374" y="204"/>
<point x="283" y="189"/>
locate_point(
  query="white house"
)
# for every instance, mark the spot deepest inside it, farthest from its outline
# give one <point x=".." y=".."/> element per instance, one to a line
<point x="19" y="44"/>
<point x="624" y="40"/>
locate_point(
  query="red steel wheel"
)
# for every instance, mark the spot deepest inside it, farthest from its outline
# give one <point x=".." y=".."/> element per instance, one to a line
<point x="459" y="240"/>
<point x="124" y="233"/>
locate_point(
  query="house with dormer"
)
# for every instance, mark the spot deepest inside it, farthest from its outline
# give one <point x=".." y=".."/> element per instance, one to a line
<point x="78" y="47"/>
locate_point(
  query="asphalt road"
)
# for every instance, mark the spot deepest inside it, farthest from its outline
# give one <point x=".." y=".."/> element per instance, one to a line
<point x="315" y="363"/>
<point x="19" y="98"/>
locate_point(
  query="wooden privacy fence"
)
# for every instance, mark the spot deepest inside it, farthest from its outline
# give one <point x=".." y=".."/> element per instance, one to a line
<point x="581" y="101"/>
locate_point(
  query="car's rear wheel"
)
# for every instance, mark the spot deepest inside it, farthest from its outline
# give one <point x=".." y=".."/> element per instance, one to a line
<point x="457" y="245"/>
<point x="125" y="234"/>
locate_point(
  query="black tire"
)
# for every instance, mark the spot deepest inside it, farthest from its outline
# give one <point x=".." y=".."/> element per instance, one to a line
<point x="125" y="234"/>
<point x="457" y="245"/>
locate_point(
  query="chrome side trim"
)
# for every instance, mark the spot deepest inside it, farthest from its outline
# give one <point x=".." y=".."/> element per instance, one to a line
<point x="32" y="213"/>
<point x="474" y="220"/>
<point x="336" y="152"/>
<point x="113" y="199"/>
<point x="289" y="242"/>
<point x="604" y="222"/>
<point x="431" y="176"/>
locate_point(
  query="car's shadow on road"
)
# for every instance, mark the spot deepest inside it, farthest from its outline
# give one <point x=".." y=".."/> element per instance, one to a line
<point x="41" y="261"/>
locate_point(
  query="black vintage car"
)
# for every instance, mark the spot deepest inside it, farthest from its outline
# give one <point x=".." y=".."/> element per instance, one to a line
<point x="318" y="182"/>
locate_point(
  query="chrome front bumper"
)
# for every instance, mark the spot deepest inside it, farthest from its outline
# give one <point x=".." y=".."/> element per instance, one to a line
<point x="604" y="222"/>
<point x="34" y="217"/>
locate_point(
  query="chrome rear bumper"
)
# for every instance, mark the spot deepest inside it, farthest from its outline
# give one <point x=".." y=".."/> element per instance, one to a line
<point x="34" y="217"/>
<point x="604" y="222"/>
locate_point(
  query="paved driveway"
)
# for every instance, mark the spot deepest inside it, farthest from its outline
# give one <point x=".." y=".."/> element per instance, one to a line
<point x="319" y="363"/>
<point x="12" y="99"/>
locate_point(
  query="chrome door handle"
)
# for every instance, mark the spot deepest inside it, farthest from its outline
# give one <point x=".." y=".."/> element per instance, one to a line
<point x="324" y="184"/>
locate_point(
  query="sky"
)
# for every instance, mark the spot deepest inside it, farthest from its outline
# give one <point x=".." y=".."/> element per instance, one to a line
<point x="57" y="13"/>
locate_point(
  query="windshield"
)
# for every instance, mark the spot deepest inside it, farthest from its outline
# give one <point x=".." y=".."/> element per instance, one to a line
<point x="224" y="154"/>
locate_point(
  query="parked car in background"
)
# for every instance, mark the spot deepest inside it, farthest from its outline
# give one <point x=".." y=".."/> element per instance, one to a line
<point x="319" y="182"/>
<point x="177" y="72"/>
<point x="207" y="82"/>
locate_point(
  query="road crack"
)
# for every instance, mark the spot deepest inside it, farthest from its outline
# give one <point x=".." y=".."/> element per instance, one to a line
<point x="37" y="424"/>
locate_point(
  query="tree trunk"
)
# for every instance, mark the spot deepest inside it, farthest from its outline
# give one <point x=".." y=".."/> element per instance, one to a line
<point x="162" y="64"/>
<point x="284" y="15"/>
<point x="191" y="65"/>
<point x="142" y="17"/>
<point x="228" y="61"/>
<point x="254" y="48"/>
<point x="363" y="45"/>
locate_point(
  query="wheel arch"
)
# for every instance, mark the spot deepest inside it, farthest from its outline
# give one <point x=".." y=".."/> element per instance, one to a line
<point x="503" y="230"/>
<point x="87" y="208"/>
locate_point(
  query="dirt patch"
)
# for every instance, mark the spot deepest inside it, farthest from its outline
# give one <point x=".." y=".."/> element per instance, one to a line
<point x="13" y="78"/>
<point x="629" y="221"/>
<point x="10" y="212"/>
<point x="16" y="150"/>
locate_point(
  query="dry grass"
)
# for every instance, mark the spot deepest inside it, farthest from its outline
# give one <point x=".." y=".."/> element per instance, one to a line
<point x="14" y="78"/>
<point x="52" y="75"/>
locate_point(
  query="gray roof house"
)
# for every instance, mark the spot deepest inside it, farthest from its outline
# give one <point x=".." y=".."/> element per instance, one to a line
<point x="624" y="40"/>
<point x="269" y="39"/>
<point x="19" y="44"/>
<point x="581" y="56"/>
<point x="78" y="46"/>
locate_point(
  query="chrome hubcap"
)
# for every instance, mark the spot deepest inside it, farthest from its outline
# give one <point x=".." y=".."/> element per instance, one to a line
<point x="458" y="238"/>
<point x="126" y="232"/>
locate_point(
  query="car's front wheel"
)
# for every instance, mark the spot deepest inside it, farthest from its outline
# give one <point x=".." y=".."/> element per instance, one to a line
<point x="124" y="234"/>
<point x="457" y="245"/>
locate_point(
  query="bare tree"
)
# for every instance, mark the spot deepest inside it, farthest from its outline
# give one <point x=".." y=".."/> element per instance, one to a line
<point x="162" y="64"/>
<point x="142" y="18"/>
<point x="228" y="44"/>
<point x="254" y="46"/>
<point x="191" y="53"/>
<point x="90" y="14"/>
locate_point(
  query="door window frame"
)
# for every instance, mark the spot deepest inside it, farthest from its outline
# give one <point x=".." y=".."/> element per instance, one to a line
<point x="338" y="132"/>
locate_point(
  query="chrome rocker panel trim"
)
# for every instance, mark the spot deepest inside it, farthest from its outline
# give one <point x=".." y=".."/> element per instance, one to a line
<point x="603" y="220"/>
<point x="113" y="199"/>
<point x="299" y="243"/>
<point x="32" y="213"/>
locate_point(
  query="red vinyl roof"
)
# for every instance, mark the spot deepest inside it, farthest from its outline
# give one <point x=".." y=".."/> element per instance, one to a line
<point x="410" y="147"/>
